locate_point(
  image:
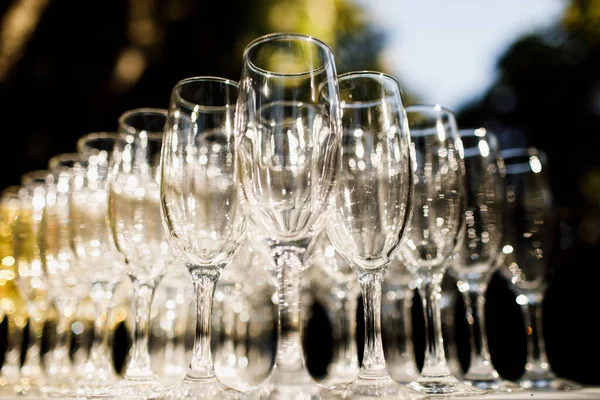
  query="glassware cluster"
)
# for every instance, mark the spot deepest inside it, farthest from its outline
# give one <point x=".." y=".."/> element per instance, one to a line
<point x="227" y="208"/>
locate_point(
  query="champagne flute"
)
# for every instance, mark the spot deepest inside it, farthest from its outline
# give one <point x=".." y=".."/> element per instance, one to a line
<point x="65" y="284"/>
<point x="135" y="222"/>
<point x="528" y="243"/>
<point x="96" y="255"/>
<point x="200" y="207"/>
<point x="288" y="142"/>
<point x="476" y="259"/>
<point x="370" y="211"/>
<point x="32" y="279"/>
<point x="436" y="230"/>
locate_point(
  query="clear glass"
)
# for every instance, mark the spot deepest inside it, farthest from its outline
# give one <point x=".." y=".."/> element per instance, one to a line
<point x="66" y="287"/>
<point x="13" y="306"/>
<point x="333" y="284"/>
<point x="527" y="248"/>
<point x="201" y="211"/>
<point x="96" y="255"/>
<point x="436" y="232"/>
<point x="32" y="279"/>
<point x="288" y="142"/>
<point x="396" y="314"/>
<point x="370" y="211"/>
<point x="135" y="222"/>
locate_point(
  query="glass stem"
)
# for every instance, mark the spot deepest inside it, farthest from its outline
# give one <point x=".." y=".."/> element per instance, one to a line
<point x="434" y="364"/>
<point x="60" y="363"/>
<point x="345" y="356"/>
<point x="289" y="354"/>
<point x="140" y="367"/>
<point x="480" y="367"/>
<point x="32" y="365"/>
<point x="202" y="366"/>
<point x="373" y="364"/>
<point x="99" y="363"/>
<point x="537" y="365"/>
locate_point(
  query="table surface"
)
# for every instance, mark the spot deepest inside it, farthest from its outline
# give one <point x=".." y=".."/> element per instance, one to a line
<point x="585" y="393"/>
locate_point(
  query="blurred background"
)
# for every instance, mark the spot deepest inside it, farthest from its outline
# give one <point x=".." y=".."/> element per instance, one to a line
<point x="528" y="71"/>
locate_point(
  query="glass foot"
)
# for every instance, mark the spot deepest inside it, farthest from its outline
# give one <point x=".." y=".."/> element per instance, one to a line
<point x="444" y="386"/>
<point x="551" y="384"/>
<point x="287" y="386"/>
<point x="209" y="388"/>
<point x="379" y="388"/>
<point x="494" y="385"/>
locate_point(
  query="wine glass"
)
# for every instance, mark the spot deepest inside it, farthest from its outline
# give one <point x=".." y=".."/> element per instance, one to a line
<point x="65" y="285"/>
<point x="135" y="222"/>
<point x="436" y="232"/>
<point x="476" y="260"/>
<point x="397" y="328"/>
<point x="529" y="237"/>
<point x="32" y="279"/>
<point x="288" y="142"/>
<point x="370" y="211"/>
<point x="12" y="306"/>
<point x="334" y="284"/>
<point x="96" y="255"/>
<point x="201" y="212"/>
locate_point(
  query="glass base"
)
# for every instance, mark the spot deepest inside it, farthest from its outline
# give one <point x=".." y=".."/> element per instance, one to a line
<point x="379" y="388"/>
<point x="130" y="389"/>
<point x="280" y="385"/>
<point x="24" y="386"/>
<point x="494" y="385"/>
<point x="209" y="388"/>
<point x="443" y="386"/>
<point x="550" y="384"/>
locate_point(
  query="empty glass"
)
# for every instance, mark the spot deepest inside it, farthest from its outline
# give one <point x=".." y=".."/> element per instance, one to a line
<point x="370" y="211"/>
<point x="96" y="255"/>
<point x="287" y="141"/>
<point x="436" y="230"/>
<point x="135" y="221"/>
<point x="199" y="200"/>
<point x="529" y="237"/>
<point x="476" y="260"/>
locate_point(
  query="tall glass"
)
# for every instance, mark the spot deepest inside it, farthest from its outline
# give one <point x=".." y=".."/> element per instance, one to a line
<point x="370" y="211"/>
<point x="476" y="259"/>
<point x="436" y="231"/>
<point x="96" y="255"/>
<point x="288" y="141"/>
<point x="201" y="211"/>
<point x="32" y="279"/>
<point x="136" y="227"/>
<point x="528" y="242"/>
<point x="65" y="283"/>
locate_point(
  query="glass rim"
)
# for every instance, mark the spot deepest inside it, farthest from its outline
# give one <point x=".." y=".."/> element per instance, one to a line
<point x="430" y="107"/>
<point x="33" y="176"/>
<point x="199" y="107"/>
<point x="525" y="165"/>
<point x="54" y="161"/>
<point x="513" y="152"/>
<point x="369" y="74"/>
<point x="286" y="35"/>
<point x="94" y="136"/>
<point x="130" y="130"/>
